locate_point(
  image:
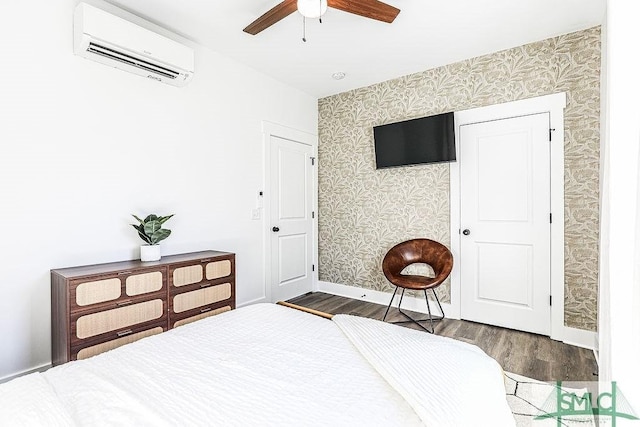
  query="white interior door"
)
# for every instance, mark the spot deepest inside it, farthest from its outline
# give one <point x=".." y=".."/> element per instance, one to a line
<point x="505" y="223"/>
<point x="291" y="218"/>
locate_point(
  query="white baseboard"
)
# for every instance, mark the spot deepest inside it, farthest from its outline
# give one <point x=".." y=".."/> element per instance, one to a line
<point x="382" y="298"/>
<point x="571" y="336"/>
<point x="580" y="338"/>
<point x="23" y="373"/>
<point x="253" y="301"/>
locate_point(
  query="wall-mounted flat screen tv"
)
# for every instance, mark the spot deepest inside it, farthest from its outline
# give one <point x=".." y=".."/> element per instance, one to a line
<point x="413" y="142"/>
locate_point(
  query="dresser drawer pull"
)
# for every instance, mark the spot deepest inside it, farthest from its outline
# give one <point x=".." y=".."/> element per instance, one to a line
<point x="204" y="310"/>
<point x="123" y="303"/>
<point x="122" y="273"/>
<point x="124" y="333"/>
<point x="205" y="260"/>
<point x="204" y="285"/>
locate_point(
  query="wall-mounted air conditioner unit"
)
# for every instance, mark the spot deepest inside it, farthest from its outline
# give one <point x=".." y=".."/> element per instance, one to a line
<point x="113" y="41"/>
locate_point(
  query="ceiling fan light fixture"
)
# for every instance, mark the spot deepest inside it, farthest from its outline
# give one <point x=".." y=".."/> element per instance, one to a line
<point x="312" y="8"/>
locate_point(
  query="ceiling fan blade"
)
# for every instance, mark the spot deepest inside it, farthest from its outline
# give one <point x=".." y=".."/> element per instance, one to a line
<point x="373" y="9"/>
<point x="284" y="9"/>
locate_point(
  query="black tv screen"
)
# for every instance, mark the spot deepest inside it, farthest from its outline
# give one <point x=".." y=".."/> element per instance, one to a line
<point x="412" y="142"/>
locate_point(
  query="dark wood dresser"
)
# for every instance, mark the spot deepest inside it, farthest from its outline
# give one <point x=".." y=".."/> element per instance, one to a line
<point x="96" y="308"/>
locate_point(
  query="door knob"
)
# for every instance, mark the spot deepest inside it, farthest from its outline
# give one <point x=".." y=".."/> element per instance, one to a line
<point x="275" y="229"/>
<point x="466" y="231"/>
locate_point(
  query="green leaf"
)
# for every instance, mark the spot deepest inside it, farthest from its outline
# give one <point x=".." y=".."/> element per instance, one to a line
<point x="151" y="217"/>
<point x="139" y="220"/>
<point x="159" y="236"/>
<point x="164" y="219"/>
<point x="145" y="238"/>
<point x="151" y="227"/>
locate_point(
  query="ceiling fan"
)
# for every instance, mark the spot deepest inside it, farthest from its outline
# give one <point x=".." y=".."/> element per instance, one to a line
<point x="372" y="9"/>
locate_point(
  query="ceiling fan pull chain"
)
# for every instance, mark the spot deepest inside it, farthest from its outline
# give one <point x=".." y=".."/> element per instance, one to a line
<point x="320" y="5"/>
<point x="304" y="29"/>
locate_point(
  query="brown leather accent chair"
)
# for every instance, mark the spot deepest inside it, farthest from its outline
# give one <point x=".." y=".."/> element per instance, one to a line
<point x="411" y="252"/>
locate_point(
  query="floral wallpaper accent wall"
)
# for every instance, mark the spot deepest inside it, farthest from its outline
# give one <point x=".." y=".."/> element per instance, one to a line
<point x="363" y="211"/>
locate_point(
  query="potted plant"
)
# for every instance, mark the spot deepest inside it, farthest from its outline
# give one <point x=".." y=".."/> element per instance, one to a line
<point x="150" y="230"/>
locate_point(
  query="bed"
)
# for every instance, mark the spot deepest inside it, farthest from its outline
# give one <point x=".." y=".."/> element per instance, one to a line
<point x="267" y="364"/>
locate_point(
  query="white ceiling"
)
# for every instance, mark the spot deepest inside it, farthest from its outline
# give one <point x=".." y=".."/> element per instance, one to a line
<point x="426" y="34"/>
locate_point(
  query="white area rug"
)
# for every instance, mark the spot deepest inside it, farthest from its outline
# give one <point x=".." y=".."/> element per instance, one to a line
<point x="529" y="398"/>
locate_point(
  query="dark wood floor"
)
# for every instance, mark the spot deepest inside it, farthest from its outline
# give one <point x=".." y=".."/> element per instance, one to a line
<point x="531" y="355"/>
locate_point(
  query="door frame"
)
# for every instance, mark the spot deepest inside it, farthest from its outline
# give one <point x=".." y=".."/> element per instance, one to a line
<point x="553" y="104"/>
<point x="270" y="129"/>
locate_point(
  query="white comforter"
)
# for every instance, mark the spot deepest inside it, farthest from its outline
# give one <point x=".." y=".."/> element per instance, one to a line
<point x="269" y="365"/>
<point x="447" y="382"/>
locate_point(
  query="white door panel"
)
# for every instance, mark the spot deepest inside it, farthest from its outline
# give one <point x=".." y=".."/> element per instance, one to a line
<point x="292" y="250"/>
<point x="291" y="220"/>
<point x="505" y="206"/>
<point x="501" y="199"/>
<point x="500" y="265"/>
<point x="292" y="184"/>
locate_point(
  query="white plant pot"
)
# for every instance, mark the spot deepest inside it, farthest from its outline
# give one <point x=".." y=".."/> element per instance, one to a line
<point x="149" y="252"/>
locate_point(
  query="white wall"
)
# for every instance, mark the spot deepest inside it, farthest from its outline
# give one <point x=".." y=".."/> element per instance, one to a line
<point x="82" y="146"/>
<point x="619" y="326"/>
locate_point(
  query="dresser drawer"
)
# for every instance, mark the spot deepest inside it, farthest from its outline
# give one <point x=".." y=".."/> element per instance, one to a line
<point x="87" y="326"/>
<point x="92" y="348"/>
<point x="96" y="291"/>
<point x="198" y="314"/>
<point x="204" y="270"/>
<point x="144" y="283"/>
<point x="91" y="292"/>
<point x="187" y="301"/>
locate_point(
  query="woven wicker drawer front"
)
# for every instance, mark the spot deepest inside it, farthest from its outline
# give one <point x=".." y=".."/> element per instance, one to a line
<point x="110" y="345"/>
<point x="145" y="283"/>
<point x="195" y="299"/>
<point x="106" y="321"/>
<point x="183" y="276"/>
<point x="218" y="269"/>
<point x="97" y="291"/>
<point x="201" y="316"/>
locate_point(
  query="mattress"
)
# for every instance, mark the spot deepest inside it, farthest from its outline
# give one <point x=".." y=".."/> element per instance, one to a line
<point x="264" y="365"/>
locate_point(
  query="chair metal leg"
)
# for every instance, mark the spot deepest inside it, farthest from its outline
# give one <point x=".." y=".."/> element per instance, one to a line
<point x="390" y="302"/>
<point x="429" y="310"/>
<point x="438" y="301"/>
<point x="431" y="318"/>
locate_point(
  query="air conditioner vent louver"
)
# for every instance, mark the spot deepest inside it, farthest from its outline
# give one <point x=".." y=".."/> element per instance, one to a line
<point x="130" y="60"/>
<point x="117" y="42"/>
